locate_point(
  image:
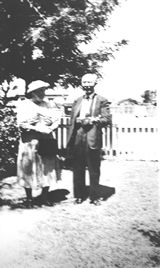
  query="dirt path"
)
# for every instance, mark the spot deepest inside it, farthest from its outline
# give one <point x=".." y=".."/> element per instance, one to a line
<point x="123" y="232"/>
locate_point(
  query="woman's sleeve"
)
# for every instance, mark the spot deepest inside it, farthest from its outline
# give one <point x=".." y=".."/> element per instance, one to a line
<point x="25" y="114"/>
<point x="56" y="117"/>
<point x="55" y="114"/>
<point x="22" y="115"/>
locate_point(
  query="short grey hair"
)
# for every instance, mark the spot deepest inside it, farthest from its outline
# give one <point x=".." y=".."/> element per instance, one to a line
<point x="90" y="76"/>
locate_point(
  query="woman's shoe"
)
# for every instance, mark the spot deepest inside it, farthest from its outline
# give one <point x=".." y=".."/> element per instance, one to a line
<point x="29" y="204"/>
<point x="46" y="203"/>
<point x="44" y="196"/>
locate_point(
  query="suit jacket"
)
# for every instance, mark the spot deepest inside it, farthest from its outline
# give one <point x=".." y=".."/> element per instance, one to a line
<point x="94" y="135"/>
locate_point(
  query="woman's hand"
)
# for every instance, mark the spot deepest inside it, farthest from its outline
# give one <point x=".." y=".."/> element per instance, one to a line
<point x="27" y="127"/>
<point x="55" y="124"/>
<point x="34" y="120"/>
<point x="47" y="121"/>
<point x="43" y="129"/>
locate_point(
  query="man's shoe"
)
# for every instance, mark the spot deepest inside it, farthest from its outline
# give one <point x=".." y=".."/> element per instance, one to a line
<point x="95" y="202"/>
<point x="79" y="201"/>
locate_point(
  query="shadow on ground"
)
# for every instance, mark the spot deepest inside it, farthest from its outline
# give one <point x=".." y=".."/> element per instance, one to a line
<point x="104" y="192"/>
<point x="55" y="196"/>
<point x="12" y="196"/>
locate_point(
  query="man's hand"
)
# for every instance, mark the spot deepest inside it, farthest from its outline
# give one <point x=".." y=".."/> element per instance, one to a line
<point x="87" y="121"/>
<point x="90" y="120"/>
<point x="95" y="119"/>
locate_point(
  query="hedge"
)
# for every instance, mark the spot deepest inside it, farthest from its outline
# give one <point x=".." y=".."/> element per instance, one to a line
<point x="9" y="137"/>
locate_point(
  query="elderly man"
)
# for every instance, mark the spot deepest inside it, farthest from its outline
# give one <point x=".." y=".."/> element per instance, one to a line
<point x="89" y="114"/>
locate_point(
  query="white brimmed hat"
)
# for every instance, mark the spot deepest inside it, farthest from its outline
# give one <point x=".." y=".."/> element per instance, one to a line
<point x="37" y="85"/>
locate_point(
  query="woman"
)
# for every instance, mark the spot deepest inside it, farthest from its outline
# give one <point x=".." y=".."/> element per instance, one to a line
<point x="37" y="162"/>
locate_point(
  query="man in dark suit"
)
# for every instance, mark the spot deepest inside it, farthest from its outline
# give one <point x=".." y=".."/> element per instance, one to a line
<point x="90" y="113"/>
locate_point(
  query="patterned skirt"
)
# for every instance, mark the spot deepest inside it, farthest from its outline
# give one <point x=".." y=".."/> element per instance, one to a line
<point x="34" y="170"/>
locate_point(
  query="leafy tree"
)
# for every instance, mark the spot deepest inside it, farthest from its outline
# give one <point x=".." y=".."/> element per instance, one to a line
<point x="4" y="95"/>
<point x="40" y="39"/>
<point x="150" y="96"/>
<point x="128" y="101"/>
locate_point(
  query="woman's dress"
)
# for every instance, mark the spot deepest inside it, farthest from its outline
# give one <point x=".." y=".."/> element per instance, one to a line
<point x="35" y="167"/>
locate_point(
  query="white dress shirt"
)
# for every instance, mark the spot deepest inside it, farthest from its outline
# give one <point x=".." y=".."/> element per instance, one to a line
<point x="86" y="106"/>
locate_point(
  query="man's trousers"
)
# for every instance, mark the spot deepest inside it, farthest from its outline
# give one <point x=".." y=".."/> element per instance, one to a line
<point x="84" y="156"/>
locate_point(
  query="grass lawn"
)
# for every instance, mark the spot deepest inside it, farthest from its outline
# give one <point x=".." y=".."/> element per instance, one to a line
<point x="123" y="232"/>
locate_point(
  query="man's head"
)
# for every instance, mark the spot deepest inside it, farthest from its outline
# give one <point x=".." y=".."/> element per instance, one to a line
<point x="88" y="83"/>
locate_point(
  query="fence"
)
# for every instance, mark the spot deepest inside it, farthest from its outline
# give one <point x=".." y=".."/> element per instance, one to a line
<point x="132" y="139"/>
<point x="138" y="110"/>
<point x="135" y="139"/>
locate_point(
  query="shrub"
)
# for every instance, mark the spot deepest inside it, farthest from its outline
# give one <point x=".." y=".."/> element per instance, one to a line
<point x="9" y="136"/>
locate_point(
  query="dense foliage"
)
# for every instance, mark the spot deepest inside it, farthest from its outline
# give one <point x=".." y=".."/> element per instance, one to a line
<point x="9" y="136"/>
<point x="150" y="97"/>
<point x="40" y="39"/>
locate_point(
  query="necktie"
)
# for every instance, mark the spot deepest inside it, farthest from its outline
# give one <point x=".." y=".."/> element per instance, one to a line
<point x="87" y="97"/>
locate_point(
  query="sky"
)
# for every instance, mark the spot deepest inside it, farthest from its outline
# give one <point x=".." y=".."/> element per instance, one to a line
<point x="135" y="67"/>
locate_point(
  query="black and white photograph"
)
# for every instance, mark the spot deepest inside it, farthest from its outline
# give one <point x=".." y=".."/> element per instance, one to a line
<point x="79" y="135"/>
